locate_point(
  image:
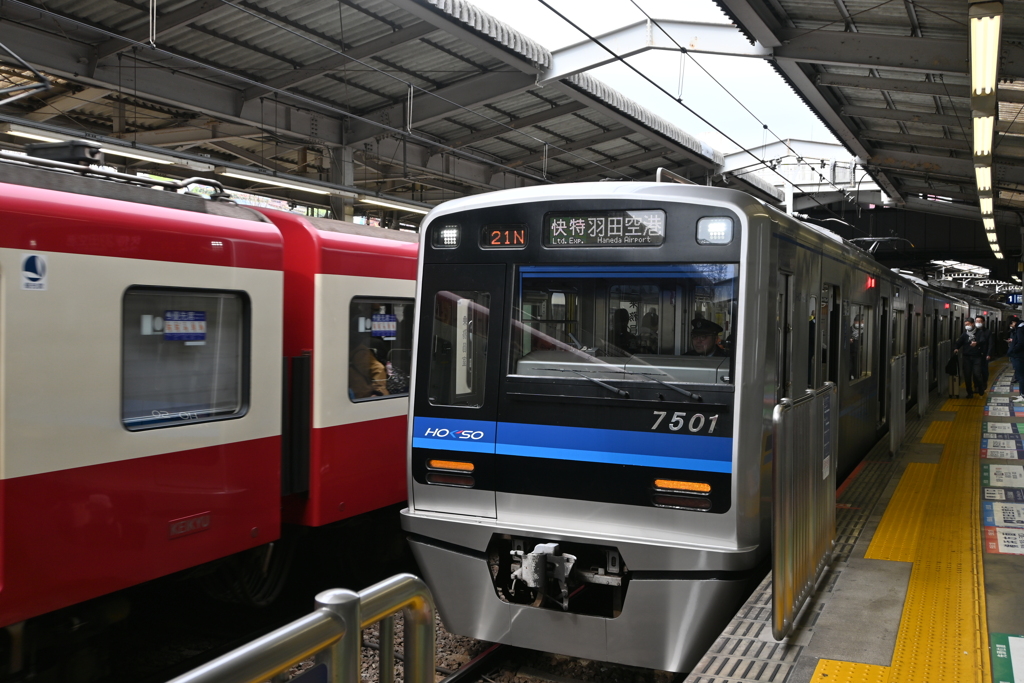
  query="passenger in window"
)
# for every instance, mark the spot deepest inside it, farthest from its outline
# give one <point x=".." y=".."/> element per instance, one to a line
<point x="367" y="376"/>
<point x="704" y="338"/>
<point x="649" y="332"/>
<point x="855" y="341"/>
<point x="974" y="347"/>
<point x="624" y="341"/>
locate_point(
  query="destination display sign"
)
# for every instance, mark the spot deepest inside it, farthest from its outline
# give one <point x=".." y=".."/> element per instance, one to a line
<point x="605" y="229"/>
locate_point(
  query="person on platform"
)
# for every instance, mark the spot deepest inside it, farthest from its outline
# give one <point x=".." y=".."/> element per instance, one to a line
<point x="975" y="348"/>
<point x="704" y="338"/>
<point x="980" y="324"/>
<point x="1016" y="355"/>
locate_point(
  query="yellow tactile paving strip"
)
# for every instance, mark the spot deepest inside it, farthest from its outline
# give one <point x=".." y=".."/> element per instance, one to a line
<point x="897" y="535"/>
<point x="943" y="634"/>
<point x="937" y="432"/>
<point x="830" y="671"/>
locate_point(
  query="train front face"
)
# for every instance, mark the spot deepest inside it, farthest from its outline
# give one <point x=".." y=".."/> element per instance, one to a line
<point x="585" y="475"/>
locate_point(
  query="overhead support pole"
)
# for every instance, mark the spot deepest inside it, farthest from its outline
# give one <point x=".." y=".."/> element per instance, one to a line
<point x="360" y="52"/>
<point x="164" y="24"/>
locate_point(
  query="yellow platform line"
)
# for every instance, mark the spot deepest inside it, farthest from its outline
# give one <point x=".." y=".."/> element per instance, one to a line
<point x="937" y="432"/>
<point x="897" y="534"/>
<point x="943" y="634"/>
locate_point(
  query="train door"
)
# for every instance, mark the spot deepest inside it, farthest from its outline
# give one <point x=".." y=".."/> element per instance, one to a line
<point x="883" y="361"/>
<point x="784" y="335"/>
<point x="910" y="348"/>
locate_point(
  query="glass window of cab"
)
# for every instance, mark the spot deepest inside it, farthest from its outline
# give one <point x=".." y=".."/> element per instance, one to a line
<point x="672" y="323"/>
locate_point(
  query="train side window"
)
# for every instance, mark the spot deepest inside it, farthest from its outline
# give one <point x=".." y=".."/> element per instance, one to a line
<point x="458" y="355"/>
<point x="860" y="341"/>
<point x="379" y="348"/>
<point x="185" y="356"/>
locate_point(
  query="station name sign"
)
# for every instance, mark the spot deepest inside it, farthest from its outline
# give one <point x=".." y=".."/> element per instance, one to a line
<point x="605" y="229"/>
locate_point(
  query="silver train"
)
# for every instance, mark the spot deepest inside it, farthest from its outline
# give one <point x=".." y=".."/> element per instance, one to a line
<point x="595" y="371"/>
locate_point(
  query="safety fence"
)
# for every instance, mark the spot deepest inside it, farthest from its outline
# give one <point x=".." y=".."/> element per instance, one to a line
<point x="803" y="500"/>
<point x="332" y="635"/>
<point x="897" y="402"/>
<point x="924" y="364"/>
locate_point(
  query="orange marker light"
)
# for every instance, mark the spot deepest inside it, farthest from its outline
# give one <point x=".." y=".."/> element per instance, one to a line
<point x="451" y="465"/>
<point x="672" y="485"/>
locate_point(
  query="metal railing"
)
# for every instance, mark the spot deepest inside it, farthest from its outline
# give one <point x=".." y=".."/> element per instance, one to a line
<point x="332" y="634"/>
<point x="924" y="364"/>
<point x="803" y="501"/>
<point x="897" y="401"/>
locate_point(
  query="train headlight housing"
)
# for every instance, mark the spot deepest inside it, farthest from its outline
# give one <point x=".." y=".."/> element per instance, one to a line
<point x="714" y="230"/>
<point x="447" y="236"/>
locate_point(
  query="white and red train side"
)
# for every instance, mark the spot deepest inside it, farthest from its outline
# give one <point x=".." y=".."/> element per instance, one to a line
<point x="146" y="426"/>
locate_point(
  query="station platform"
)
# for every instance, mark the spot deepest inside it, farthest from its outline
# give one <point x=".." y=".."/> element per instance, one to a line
<point x="927" y="580"/>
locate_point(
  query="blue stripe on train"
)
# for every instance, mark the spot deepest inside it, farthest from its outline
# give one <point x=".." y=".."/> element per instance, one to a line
<point x="648" y="449"/>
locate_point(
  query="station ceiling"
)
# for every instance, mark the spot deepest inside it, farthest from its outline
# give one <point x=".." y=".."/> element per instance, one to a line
<point x="426" y="100"/>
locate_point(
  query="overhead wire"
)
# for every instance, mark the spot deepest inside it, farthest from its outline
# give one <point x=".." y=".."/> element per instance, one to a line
<point x="411" y="85"/>
<point x="730" y="93"/>
<point x="647" y="78"/>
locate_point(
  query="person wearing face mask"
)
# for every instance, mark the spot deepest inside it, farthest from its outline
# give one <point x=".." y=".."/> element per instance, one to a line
<point x="990" y="350"/>
<point x="974" y="349"/>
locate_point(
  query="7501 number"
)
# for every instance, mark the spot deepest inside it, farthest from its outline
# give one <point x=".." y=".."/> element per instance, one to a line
<point x="678" y="421"/>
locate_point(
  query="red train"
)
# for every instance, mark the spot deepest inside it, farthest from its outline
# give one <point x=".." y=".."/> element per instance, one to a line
<point x="147" y="423"/>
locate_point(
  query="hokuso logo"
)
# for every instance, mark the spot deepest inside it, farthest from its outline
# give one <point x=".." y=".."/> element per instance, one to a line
<point x="462" y="434"/>
<point x="192" y="524"/>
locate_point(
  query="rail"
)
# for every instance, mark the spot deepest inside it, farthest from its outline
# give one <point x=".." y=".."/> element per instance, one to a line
<point x="924" y="364"/>
<point x="332" y="634"/>
<point x="897" y="401"/>
<point x="803" y="501"/>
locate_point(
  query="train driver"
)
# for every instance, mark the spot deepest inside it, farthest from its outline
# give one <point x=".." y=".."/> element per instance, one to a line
<point x="704" y="338"/>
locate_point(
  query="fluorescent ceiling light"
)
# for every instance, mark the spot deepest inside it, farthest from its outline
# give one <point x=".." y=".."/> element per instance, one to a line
<point x="31" y="136"/>
<point x="115" y="151"/>
<point x="984" y="53"/>
<point x="983" y="126"/>
<point x="992" y="238"/>
<point x="271" y="180"/>
<point x="986" y="205"/>
<point x="984" y="176"/>
<point x="394" y="205"/>
<point x="990" y="223"/>
<point x="998" y="254"/>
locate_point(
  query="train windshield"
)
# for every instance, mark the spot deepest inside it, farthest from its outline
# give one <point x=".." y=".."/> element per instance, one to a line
<point x="656" y="323"/>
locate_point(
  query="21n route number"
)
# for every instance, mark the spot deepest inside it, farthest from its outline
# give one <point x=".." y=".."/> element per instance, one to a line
<point x="691" y="422"/>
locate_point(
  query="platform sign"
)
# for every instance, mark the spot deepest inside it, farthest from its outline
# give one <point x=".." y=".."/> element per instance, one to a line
<point x="1000" y="494"/>
<point x="1001" y="454"/>
<point x="1007" y="658"/>
<point x="1008" y="515"/>
<point x="186" y="326"/>
<point x="1000" y="541"/>
<point x="996" y="442"/>
<point x="1001" y="411"/>
<point x="1002" y="475"/>
<point x="384" y="325"/>
<point x="1003" y="427"/>
<point x="998" y="400"/>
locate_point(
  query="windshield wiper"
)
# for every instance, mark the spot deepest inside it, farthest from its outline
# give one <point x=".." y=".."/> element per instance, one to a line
<point x="609" y="387"/>
<point x="684" y="392"/>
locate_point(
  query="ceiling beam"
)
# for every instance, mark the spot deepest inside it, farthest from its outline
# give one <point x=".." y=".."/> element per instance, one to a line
<point x="569" y="147"/>
<point x="612" y="165"/>
<point x="1007" y="147"/>
<point x="429" y="107"/>
<point x="916" y="87"/>
<point x="67" y="102"/>
<point x="253" y="157"/>
<point x="359" y="52"/>
<point x="907" y="116"/>
<point x="164" y="24"/>
<point x="516" y="124"/>
<point x="195" y="133"/>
